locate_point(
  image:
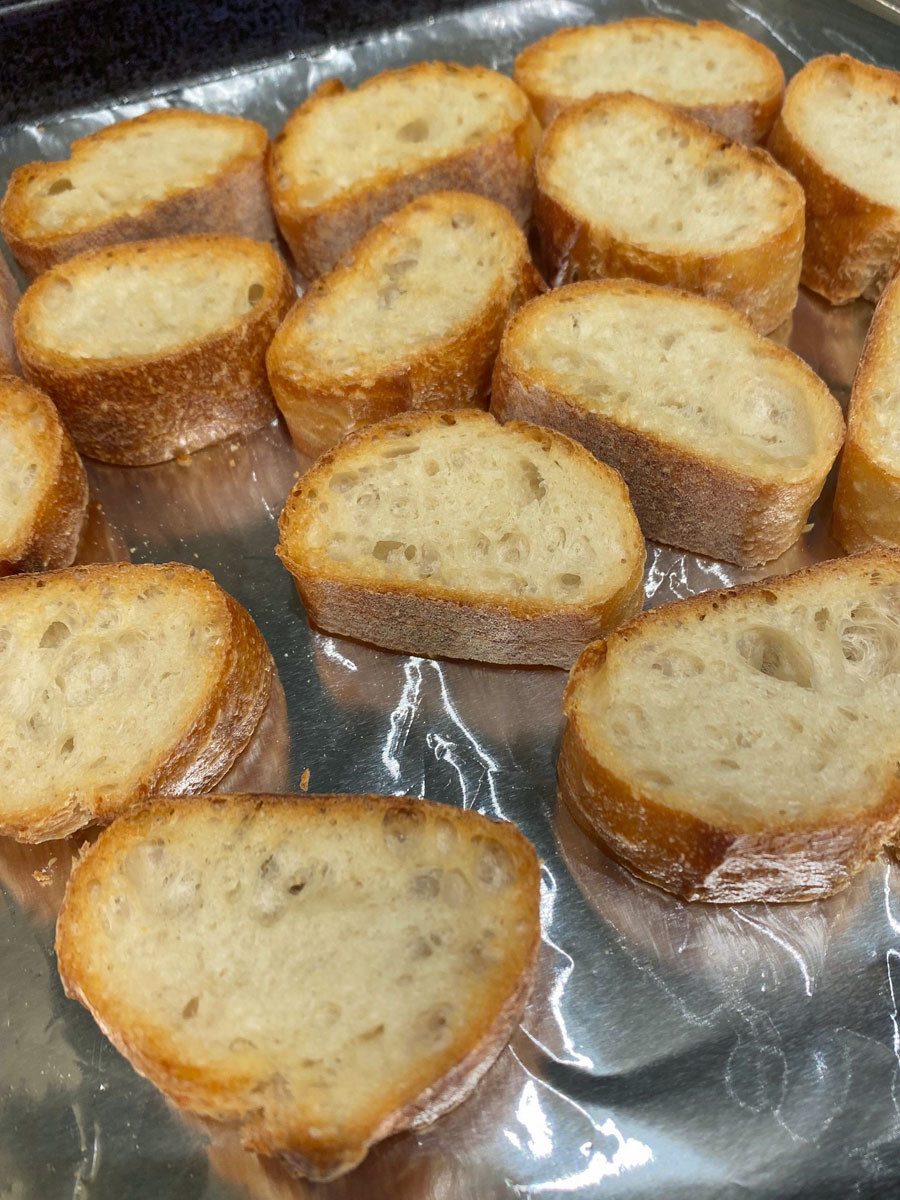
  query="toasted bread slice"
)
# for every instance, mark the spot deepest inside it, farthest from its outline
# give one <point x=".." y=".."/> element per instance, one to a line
<point x="446" y="534"/>
<point x="9" y="298"/>
<point x="377" y="337"/>
<point x="43" y="486"/>
<point x="708" y="70"/>
<point x="167" y="172"/>
<point x="396" y="940"/>
<point x="154" y="349"/>
<point x="629" y="187"/>
<point x="119" y="682"/>
<point x="867" y="500"/>
<point x="723" y="437"/>
<point x="837" y="133"/>
<point x="345" y="159"/>
<point x="743" y="745"/>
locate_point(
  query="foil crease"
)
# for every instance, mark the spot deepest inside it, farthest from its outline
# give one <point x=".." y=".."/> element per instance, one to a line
<point x="668" y="1050"/>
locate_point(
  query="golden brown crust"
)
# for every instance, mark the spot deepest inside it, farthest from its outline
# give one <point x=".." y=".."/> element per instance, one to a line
<point x="681" y="498"/>
<point x="728" y="864"/>
<point x="9" y="298"/>
<point x="499" y="167"/>
<point x="760" y="280"/>
<point x="218" y="730"/>
<point x="852" y="242"/>
<point x="140" y="410"/>
<point x="51" y="540"/>
<point x="745" y="121"/>
<point x="436" y="622"/>
<point x="321" y="407"/>
<point x="269" y="1124"/>
<point x="235" y="202"/>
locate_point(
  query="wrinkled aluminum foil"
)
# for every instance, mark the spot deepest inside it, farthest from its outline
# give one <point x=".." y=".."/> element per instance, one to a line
<point x="669" y="1050"/>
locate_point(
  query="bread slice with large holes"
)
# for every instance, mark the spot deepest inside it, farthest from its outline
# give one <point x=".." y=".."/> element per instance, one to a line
<point x="867" y="500"/>
<point x="743" y="745"/>
<point x="723" y="437"/>
<point x="166" y="172"/>
<point x="346" y="158"/>
<point x="155" y="349"/>
<point x="9" y="298"/>
<point x="43" y="485"/>
<point x="448" y="535"/>
<point x="627" y="187"/>
<point x="838" y="133"/>
<point x="120" y="682"/>
<point x="395" y="941"/>
<point x="708" y="70"/>
<point x="376" y="337"/>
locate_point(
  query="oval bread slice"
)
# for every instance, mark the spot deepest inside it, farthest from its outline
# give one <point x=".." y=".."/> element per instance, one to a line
<point x="716" y="74"/>
<point x="119" y="682"/>
<point x="376" y="336"/>
<point x="743" y="745"/>
<point x="166" y="172"/>
<point x="723" y="437"/>
<point x="838" y="133"/>
<point x="347" y="158"/>
<point x="867" y="500"/>
<point x="43" y="486"/>
<point x="396" y="941"/>
<point x="155" y="349"/>
<point x="629" y="187"/>
<point x="446" y="534"/>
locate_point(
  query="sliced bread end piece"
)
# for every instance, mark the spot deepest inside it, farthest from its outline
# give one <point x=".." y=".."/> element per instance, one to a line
<point x="708" y="70"/>
<point x="627" y="187"/>
<point x="396" y="939"/>
<point x="410" y="319"/>
<point x="43" y="485"/>
<point x="837" y="133"/>
<point x="742" y="745"/>
<point x="348" y="157"/>
<point x="166" y="172"/>
<point x="723" y="438"/>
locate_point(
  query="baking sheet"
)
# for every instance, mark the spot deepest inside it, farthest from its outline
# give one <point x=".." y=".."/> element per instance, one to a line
<point x="668" y="1050"/>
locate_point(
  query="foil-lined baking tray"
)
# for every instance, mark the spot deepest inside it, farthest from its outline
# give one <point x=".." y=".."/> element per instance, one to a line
<point x="669" y="1050"/>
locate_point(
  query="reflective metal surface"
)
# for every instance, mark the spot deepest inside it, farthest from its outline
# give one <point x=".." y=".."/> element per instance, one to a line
<point x="668" y="1050"/>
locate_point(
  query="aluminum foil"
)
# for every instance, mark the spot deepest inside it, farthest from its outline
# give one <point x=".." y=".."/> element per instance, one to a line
<point x="669" y="1050"/>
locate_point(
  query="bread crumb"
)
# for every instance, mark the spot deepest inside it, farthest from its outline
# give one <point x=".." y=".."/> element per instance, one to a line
<point x="304" y="780"/>
<point x="43" y="877"/>
<point x="183" y="458"/>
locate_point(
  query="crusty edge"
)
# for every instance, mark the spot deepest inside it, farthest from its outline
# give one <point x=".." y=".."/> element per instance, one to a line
<point x="453" y="371"/>
<point x="747" y="121"/>
<point x="681" y="498"/>
<point x="218" y="732"/>
<point x="235" y="202"/>
<point x="52" y="540"/>
<point x="500" y="168"/>
<point x="439" y="623"/>
<point x="690" y="857"/>
<point x="9" y="298"/>
<point x="852" y="242"/>
<point x="136" y="411"/>
<point x="760" y="280"/>
<point x="264" y="1132"/>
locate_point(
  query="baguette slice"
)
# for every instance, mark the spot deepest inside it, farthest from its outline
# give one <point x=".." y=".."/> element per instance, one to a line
<point x="377" y="336"/>
<point x="9" y="298"/>
<point x="155" y="349"/>
<point x="723" y="437"/>
<point x="345" y="159"/>
<point x="43" y="486"/>
<point x="708" y="70"/>
<point x="395" y="941"/>
<point x="838" y="133"/>
<point x="629" y="187"/>
<point x="867" y="500"/>
<point x="743" y="745"/>
<point x="446" y="534"/>
<point x="120" y="682"/>
<point x="167" y="172"/>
